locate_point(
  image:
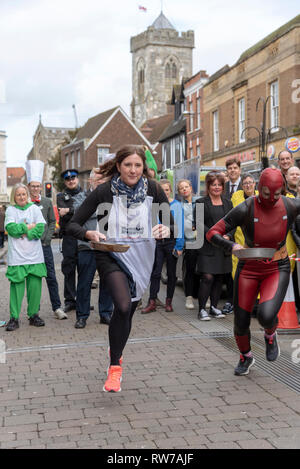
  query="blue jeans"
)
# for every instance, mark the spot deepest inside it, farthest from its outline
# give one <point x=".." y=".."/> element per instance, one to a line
<point x="86" y="271"/>
<point x="51" y="278"/>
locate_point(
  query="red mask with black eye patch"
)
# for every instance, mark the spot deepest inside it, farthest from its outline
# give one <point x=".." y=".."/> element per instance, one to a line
<point x="273" y="180"/>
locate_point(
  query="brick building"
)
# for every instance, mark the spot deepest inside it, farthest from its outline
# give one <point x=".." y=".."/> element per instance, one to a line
<point x="46" y="142"/>
<point x="153" y="130"/>
<point x="102" y="134"/>
<point x="173" y="139"/>
<point x="193" y="92"/>
<point x="14" y="176"/>
<point x="271" y="68"/>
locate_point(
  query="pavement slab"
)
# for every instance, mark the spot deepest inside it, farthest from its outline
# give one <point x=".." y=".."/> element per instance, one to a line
<point x="178" y="389"/>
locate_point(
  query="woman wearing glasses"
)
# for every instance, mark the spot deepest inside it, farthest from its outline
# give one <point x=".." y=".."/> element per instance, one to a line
<point x="212" y="262"/>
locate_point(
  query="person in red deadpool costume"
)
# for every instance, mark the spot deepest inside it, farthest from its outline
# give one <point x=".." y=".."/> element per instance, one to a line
<point x="265" y="220"/>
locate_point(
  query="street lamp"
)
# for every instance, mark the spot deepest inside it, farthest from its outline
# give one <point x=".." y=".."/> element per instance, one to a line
<point x="264" y="135"/>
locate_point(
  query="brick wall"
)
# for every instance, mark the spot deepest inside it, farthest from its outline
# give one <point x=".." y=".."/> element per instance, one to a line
<point x="251" y="79"/>
<point x="117" y="133"/>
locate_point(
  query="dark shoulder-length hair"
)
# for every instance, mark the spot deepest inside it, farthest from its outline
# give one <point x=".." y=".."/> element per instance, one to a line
<point x="210" y="179"/>
<point x="109" y="168"/>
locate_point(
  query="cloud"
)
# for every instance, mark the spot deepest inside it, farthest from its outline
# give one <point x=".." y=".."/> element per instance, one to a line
<point x="63" y="52"/>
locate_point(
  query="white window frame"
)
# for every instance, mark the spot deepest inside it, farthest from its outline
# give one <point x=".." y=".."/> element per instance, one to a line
<point x="78" y="159"/>
<point x="198" y="118"/>
<point x="177" y="149"/>
<point x="72" y="159"/>
<point x="242" y="119"/>
<point x="166" y="146"/>
<point x="274" y="106"/>
<point x="101" y="151"/>
<point x="67" y="160"/>
<point x="215" y="116"/>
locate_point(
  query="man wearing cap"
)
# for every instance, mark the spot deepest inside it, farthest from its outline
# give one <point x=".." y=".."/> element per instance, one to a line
<point x="34" y="173"/>
<point x="67" y="202"/>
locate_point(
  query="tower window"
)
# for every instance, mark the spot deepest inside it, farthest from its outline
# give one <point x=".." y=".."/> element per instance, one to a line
<point x="174" y="71"/>
<point x="141" y="77"/>
<point x="168" y="71"/>
<point x="171" y="69"/>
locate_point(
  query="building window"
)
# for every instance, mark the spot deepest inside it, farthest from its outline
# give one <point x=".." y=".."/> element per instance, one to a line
<point x="191" y="122"/>
<point x="241" y="105"/>
<point x="171" y="69"/>
<point x="78" y="159"/>
<point x="216" y="130"/>
<point x="167" y="155"/>
<point x="174" y="71"/>
<point x="72" y="159"/>
<point x="198" y="150"/>
<point x="198" y="117"/>
<point x="141" y="77"/>
<point x="168" y="71"/>
<point x="67" y="160"/>
<point x="274" y="106"/>
<point x="101" y="152"/>
<point x="191" y="114"/>
<point x="177" y="150"/>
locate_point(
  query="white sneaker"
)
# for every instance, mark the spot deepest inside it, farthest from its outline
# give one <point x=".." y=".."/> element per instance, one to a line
<point x="216" y="313"/>
<point x="189" y="304"/>
<point x="60" y="314"/>
<point x="203" y="316"/>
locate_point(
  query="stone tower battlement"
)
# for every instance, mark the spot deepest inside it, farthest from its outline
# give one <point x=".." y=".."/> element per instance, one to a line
<point x="161" y="58"/>
<point x="161" y="37"/>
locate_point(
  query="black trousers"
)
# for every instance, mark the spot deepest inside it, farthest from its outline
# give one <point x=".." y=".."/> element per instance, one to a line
<point x="163" y="251"/>
<point x="68" y="267"/>
<point x="189" y="267"/>
<point x="1" y="239"/>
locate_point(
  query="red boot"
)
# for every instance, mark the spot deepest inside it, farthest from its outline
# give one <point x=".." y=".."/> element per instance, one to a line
<point x="150" y="307"/>
<point x="169" y="307"/>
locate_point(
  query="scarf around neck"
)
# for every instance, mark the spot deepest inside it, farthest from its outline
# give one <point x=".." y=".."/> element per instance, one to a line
<point x="135" y="195"/>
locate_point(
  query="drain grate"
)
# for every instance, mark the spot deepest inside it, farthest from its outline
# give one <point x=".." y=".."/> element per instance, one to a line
<point x="213" y="329"/>
<point x="283" y="370"/>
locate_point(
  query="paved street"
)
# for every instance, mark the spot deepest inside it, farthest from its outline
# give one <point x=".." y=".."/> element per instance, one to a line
<point x="178" y="389"/>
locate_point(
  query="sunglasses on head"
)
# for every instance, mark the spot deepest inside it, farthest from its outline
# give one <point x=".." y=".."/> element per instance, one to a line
<point x="70" y="178"/>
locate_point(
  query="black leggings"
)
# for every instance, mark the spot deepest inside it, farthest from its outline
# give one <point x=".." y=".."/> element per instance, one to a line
<point x="210" y="285"/>
<point x="121" y="321"/>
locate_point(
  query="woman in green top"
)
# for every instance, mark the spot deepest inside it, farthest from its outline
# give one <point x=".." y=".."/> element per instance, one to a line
<point x="25" y="225"/>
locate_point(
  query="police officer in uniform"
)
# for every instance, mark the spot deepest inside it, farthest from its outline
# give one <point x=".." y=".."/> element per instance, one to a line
<point x="67" y="202"/>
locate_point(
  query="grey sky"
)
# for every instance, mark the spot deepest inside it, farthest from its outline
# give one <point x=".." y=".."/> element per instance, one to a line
<point x="58" y="52"/>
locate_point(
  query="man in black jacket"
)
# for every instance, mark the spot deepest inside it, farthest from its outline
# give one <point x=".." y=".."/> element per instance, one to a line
<point x="65" y="205"/>
<point x="233" y="166"/>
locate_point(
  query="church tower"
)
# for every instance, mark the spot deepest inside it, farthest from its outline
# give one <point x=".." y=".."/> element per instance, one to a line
<point x="161" y="57"/>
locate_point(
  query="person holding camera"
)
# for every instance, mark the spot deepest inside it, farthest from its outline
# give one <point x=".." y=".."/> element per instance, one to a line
<point x="169" y="249"/>
<point x="66" y="201"/>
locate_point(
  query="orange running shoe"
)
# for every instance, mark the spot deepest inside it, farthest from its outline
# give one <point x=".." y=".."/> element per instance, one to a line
<point x="114" y="378"/>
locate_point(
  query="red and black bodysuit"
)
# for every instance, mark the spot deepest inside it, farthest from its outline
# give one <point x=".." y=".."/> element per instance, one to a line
<point x="265" y="222"/>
